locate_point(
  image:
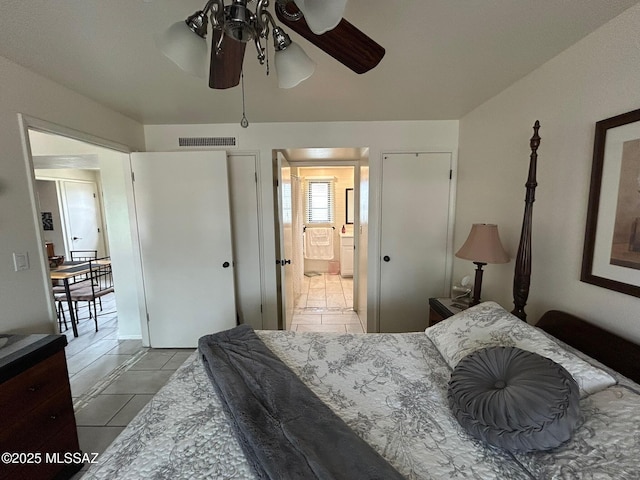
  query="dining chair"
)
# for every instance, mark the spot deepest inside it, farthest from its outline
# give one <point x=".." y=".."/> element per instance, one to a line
<point x="76" y="283"/>
<point x="83" y="256"/>
<point x="100" y="284"/>
<point x="57" y="300"/>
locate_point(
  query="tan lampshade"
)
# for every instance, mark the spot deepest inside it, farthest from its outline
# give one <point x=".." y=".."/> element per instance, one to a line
<point x="483" y="245"/>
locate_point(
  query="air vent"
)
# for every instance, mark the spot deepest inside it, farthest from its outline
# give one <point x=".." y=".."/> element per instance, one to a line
<point x="207" y="141"/>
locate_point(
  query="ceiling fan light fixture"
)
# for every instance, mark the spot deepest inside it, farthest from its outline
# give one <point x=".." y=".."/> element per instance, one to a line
<point x="292" y="63"/>
<point x="185" y="45"/>
<point x="322" y="15"/>
<point x="235" y="24"/>
<point x="198" y="23"/>
<point x="239" y="22"/>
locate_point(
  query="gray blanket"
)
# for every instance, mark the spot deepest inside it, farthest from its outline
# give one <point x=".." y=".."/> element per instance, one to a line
<point x="285" y="430"/>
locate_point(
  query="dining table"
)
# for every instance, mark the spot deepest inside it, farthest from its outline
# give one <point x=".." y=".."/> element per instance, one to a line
<point x="73" y="272"/>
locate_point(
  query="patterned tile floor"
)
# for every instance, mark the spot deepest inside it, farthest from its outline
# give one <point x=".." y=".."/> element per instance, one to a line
<point x="326" y="305"/>
<point x="111" y="380"/>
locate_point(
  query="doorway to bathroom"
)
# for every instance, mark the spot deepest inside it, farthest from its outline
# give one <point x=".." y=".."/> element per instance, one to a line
<point x="319" y="235"/>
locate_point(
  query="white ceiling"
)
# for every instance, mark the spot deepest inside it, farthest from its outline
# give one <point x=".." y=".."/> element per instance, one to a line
<point x="444" y="57"/>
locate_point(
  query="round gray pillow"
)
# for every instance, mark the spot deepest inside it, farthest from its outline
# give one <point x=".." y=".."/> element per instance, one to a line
<point x="514" y="399"/>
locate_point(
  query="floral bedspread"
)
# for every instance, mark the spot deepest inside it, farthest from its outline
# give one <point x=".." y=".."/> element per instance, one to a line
<point x="391" y="390"/>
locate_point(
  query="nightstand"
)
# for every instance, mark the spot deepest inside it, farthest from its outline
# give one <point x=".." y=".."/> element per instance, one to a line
<point x="441" y="308"/>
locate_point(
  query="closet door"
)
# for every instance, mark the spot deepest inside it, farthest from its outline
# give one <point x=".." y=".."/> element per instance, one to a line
<point x="415" y="214"/>
<point x="83" y="217"/>
<point x="182" y="208"/>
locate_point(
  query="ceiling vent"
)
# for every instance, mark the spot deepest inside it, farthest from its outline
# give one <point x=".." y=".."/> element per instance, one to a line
<point x="207" y="141"/>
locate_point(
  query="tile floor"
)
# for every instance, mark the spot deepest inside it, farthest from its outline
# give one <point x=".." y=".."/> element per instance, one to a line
<point x="111" y="380"/>
<point x="326" y="305"/>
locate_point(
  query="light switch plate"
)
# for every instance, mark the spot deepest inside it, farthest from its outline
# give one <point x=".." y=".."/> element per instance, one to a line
<point x="21" y="261"/>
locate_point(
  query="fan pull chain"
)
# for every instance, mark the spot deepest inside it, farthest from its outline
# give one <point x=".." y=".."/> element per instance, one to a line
<point x="267" y="42"/>
<point x="244" y="123"/>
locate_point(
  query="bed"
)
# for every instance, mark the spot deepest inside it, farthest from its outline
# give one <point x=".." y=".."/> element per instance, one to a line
<point x="392" y="393"/>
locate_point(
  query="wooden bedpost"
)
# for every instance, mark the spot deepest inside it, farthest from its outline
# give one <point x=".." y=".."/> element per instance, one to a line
<point x="522" y="274"/>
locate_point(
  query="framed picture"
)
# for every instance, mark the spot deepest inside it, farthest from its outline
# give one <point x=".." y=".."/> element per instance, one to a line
<point x="611" y="257"/>
<point x="47" y="220"/>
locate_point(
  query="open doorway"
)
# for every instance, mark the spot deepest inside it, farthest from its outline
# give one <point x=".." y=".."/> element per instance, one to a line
<point x="91" y="355"/>
<point x="318" y="206"/>
<point x="68" y="186"/>
<point x="327" y="246"/>
<point x="61" y="162"/>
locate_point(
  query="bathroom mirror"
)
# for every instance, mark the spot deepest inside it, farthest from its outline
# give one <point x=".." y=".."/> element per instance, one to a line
<point x="349" y="204"/>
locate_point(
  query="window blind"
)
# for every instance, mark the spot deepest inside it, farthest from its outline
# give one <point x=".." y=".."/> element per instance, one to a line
<point x="320" y="201"/>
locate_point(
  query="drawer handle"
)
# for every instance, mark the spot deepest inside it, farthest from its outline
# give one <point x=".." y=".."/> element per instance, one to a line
<point x="53" y="416"/>
<point x="35" y="388"/>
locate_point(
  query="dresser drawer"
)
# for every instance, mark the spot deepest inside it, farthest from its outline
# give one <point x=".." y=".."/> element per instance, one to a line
<point x="29" y="433"/>
<point x="26" y="391"/>
<point x="64" y="441"/>
<point x="36" y="409"/>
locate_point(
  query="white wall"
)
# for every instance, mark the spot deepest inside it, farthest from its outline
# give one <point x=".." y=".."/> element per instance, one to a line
<point x="24" y="294"/>
<point x="596" y="78"/>
<point x="48" y="202"/>
<point x="380" y="137"/>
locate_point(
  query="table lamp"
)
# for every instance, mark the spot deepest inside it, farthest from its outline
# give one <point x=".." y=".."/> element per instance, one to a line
<point x="482" y="246"/>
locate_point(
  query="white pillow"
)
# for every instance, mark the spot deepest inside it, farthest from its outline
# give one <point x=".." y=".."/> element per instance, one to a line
<point x="489" y="325"/>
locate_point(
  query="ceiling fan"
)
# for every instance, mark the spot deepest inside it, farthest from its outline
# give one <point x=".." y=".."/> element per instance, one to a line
<point x="235" y="25"/>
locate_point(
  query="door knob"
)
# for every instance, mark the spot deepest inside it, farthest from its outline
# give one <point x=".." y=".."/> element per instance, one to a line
<point x="76" y="238"/>
<point x="286" y="262"/>
<point x="386" y="258"/>
<point x="225" y="265"/>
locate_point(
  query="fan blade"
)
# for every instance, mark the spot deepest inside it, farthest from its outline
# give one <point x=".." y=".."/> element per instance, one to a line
<point x="345" y="43"/>
<point x="225" y="68"/>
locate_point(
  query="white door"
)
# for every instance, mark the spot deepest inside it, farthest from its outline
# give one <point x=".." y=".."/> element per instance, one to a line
<point x="415" y="213"/>
<point x="182" y="207"/>
<point x="245" y="231"/>
<point x="83" y="218"/>
<point x="296" y="270"/>
<point x="285" y="245"/>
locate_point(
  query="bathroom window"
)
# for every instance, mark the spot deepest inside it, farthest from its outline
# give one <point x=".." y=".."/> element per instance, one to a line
<point x="320" y="200"/>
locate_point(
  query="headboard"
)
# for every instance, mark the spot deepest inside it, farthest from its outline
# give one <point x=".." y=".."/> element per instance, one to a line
<point x="613" y="351"/>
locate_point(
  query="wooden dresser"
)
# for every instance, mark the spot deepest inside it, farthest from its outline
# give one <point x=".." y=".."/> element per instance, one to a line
<point x="38" y="436"/>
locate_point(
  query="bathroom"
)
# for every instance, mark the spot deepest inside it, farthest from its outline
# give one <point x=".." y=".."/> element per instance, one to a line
<point x="325" y="298"/>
